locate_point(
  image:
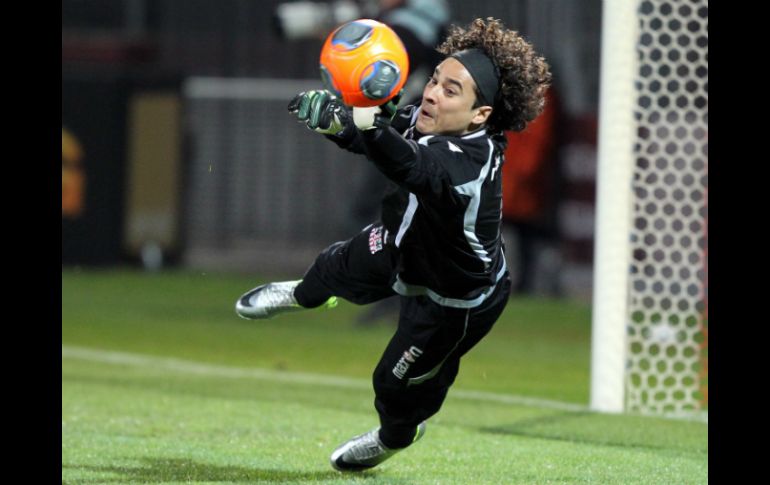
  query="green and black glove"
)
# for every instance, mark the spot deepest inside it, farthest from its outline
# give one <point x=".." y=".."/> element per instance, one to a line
<point x="377" y="116"/>
<point x="321" y="111"/>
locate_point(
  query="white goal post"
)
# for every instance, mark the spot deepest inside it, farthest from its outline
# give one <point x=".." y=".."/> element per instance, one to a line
<point x="650" y="324"/>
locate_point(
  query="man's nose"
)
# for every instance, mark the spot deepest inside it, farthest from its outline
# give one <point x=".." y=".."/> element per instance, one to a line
<point x="429" y="94"/>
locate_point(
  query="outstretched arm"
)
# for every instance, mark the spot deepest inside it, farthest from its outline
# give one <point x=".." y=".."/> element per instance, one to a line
<point x="416" y="167"/>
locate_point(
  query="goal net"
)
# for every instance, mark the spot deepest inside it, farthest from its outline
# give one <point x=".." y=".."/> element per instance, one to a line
<point x="650" y="320"/>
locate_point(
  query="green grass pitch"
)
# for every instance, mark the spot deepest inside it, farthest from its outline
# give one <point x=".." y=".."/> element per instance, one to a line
<point x="162" y="383"/>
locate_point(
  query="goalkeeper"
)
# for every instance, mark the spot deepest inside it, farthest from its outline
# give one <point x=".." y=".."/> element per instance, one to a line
<point x="438" y="242"/>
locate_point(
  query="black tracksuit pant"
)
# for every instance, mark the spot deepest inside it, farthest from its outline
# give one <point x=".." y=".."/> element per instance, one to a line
<point x="422" y="359"/>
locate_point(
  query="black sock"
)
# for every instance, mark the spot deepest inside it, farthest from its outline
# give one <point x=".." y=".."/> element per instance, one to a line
<point x="310" y="293"/>
<point x="395" y="438"/>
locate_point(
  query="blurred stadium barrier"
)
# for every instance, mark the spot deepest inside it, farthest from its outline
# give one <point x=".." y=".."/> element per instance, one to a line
<point x="263" y="193"/>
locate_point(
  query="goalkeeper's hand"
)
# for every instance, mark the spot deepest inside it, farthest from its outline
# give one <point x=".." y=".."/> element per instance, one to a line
<point x="377" y="116"/>
<point x="321" y="111"/>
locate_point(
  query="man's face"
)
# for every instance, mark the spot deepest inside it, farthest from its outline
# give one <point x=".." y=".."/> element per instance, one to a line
<point x="447" y="102"/>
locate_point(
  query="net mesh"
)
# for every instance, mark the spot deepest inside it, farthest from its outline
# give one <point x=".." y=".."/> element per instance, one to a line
<point x="667" y="369"/>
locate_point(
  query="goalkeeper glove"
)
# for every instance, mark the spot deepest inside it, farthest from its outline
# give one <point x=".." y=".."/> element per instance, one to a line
<point x="377" y="116"/>
<point x="321" y="111"/>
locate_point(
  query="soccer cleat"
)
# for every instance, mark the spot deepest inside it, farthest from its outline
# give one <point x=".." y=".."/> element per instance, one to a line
<point x="272" y="299"/>
<point x="366" y="451"/>
<point x="268" y="300"/>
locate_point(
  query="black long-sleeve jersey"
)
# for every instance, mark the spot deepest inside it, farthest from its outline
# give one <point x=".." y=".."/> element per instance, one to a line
<point x="444" y="212"/>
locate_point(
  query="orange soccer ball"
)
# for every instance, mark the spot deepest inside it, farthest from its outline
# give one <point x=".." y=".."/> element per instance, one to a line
<point x="364" y="63"/>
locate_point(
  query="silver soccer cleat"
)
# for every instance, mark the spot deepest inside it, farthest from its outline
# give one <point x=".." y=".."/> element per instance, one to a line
<point x="366" y="451"/>
<point x="272" y="299"/>
<point x="268" y="300"/>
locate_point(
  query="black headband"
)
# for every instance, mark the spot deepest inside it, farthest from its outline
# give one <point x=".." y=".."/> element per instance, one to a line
<point x="483" y="71"/>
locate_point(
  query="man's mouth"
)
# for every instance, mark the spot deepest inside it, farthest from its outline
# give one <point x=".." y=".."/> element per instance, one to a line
<point x="425" y="114"/>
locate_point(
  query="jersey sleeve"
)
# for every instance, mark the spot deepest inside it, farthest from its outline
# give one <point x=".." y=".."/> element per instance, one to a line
<point x="352" y="143"/>
<point x="419" y="168"/>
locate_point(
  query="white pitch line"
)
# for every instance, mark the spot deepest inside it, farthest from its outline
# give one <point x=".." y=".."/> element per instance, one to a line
<point x="208" y="370"/>
<point x="213" y="370"/>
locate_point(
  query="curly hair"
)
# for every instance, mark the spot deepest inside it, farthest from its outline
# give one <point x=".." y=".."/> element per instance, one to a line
<point x="525" y="76"/>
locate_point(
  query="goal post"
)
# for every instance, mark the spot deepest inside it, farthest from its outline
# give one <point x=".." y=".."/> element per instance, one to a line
<point x="613" y="204"/>
<point x="649" y="341"/>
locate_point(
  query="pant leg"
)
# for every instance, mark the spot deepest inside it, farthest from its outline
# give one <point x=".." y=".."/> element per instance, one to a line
<point x="360" y="270"/>
<point x="422" y="360"/>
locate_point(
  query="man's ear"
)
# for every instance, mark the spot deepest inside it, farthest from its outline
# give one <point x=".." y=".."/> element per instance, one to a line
<point x="482" y="114"/>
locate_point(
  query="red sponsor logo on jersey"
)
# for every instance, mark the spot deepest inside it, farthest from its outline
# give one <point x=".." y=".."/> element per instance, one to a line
<point x="375" y="239"/>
